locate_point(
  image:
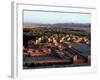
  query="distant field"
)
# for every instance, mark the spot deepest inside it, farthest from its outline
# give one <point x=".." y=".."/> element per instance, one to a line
<point x="76" y="26"/>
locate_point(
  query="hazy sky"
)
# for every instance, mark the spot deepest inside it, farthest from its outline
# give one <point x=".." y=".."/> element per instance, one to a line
<point x="55" y="17"/>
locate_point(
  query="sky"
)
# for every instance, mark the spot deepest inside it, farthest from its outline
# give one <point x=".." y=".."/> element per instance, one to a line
<point x="47" y="17"/>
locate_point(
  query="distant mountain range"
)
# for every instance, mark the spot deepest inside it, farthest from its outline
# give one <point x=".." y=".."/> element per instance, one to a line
<point x="78" y="26"/>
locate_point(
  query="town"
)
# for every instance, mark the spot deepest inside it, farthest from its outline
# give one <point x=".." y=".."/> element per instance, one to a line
<point x="52" y="48"/>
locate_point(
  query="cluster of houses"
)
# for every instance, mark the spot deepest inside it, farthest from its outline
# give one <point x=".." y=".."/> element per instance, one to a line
<point x="57" y="39"/>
